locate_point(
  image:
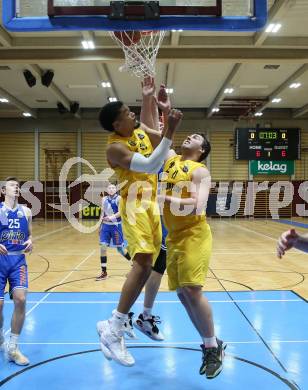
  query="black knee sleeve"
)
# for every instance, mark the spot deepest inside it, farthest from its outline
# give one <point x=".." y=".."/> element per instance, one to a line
<point x="160" y="263"/>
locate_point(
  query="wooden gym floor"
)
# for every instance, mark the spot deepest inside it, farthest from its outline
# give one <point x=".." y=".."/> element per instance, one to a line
<point x="243" y="259"/>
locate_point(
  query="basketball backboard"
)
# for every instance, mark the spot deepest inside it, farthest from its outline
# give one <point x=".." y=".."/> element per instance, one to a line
<point x="211" y="15"/>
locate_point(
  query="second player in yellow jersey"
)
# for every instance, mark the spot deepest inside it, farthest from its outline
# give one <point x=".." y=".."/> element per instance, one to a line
<point x="187" y="183"/>
<point x="189" y="239"/>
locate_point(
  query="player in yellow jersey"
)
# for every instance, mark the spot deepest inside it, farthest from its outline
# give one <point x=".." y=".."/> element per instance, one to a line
<point x="187" y="184"/>
<point x="136" y="153"/>
<point x="147" y="322"/>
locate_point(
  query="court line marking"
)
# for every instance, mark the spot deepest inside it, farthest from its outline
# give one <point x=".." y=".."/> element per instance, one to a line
<point x="63" y="280"/>
<point x="260" y="234"/>
<point x="141" y="302"/>
<point x="50" y="233"/>
<point x="213" y="253"/>
<point x="242" y="253"/>
<point x="269" y="237"/>
<point x="61" y="254"/>
<point x="145" y="343"/>
<point x="176" y="343"/>
<point x="252" y="231"/>
<point x="250" y="253"/>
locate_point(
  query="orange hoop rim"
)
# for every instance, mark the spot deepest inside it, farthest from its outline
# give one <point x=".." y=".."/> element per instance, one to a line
<point x="142" y="32"/>
<point x="149" y="32"/>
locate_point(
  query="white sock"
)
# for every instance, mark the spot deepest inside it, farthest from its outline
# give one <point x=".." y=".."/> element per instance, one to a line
<point x="117" y="320"/>
<point x="210" y="342"/>
<point x="13" y="341"/>
<point x="147" y="312"/>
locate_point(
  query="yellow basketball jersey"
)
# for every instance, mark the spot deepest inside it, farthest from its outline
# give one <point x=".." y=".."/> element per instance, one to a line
<point x="176" y="172"/>
<point x="138" y="142"/>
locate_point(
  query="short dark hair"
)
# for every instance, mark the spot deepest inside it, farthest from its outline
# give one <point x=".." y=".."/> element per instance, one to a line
<point x="10" y="178"/>
<point x="206" y="146"/>
<point x="109" y="114"/>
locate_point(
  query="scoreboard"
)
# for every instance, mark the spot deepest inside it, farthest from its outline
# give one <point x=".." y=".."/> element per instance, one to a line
<point x="267" y="144"/>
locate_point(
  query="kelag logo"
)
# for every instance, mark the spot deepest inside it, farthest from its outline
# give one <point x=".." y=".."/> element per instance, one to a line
<point x="271" y="167"/>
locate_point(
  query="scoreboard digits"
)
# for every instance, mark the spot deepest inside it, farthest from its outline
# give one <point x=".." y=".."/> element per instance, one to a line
<point x="268" y="135"/>
<point x="267" y="144"/>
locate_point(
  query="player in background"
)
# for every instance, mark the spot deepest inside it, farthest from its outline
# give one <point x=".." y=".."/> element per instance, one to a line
<point x="15" y="241"/>
<point x="110" y="233"/>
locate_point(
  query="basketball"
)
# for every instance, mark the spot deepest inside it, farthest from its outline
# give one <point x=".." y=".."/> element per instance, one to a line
<point x="128" y="38"/>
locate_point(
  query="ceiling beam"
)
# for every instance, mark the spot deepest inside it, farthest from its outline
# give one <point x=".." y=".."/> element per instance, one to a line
<point x="170" y="72"/>
<point x="175" y="38"/>
<point x="41" y="42"/>
<point x="300" y="111"/>
<point x="104" y="75"/>
<point x="5" y="38"/>
<point x="170" y="68"/>
<point x="285" y="42"/>
<point x="220" y="95"/>
<point x="294" y="77"/>
<point x="35" y="69"/>
<point x="88" y="36"/>
<point x="103" y="42"/>
<point x="102" y="69"/>
<point x="17" y="103"/>
<point x="278" y="10"/>
<point x="167" y="54"/>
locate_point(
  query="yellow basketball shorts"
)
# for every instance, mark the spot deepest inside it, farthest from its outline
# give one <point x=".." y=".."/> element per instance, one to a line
<point x="141" y="230"/>
<point x="188" y="256"/>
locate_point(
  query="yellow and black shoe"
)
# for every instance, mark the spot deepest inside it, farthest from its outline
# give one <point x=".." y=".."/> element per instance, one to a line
<point x="212" y="360"/>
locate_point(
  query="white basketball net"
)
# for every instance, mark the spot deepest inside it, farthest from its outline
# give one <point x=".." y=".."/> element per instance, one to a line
<point x="140" y="49"/>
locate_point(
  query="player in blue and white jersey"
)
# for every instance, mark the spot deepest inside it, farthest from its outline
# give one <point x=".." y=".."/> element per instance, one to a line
<point x="15" y="241"/>
<point x="111" y="234"/>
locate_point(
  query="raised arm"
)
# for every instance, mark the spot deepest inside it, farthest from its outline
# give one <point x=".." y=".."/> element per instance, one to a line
<point x="147" y="111"/>
<point x="149" y="116"/>
<point x="120" y="156"/>
<point x="162" y="102"/>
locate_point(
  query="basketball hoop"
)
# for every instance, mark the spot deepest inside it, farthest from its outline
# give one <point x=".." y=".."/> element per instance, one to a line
<point x="140" y="50"/>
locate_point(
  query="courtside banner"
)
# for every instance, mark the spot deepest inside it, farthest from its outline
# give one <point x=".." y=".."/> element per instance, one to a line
<point x="271" y="167"/>
<point x="91" y="212"/>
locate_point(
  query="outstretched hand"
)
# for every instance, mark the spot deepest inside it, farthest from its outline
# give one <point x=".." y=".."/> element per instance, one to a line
<point x="163" y="100"/>
<point x="286" y="241"/>
<point x="148" y="86"/>
<point x="174" y="119"/>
